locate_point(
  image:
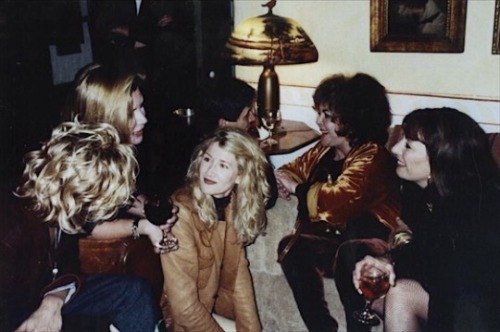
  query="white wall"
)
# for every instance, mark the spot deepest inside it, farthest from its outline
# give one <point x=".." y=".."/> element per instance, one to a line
<point x="341" y="31"/>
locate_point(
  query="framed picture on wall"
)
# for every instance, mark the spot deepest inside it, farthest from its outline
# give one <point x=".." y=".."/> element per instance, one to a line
<point x="436" y="26"/>
<point x="496" y="29"/>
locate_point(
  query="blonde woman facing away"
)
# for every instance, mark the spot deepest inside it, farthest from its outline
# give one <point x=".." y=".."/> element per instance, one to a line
<point x="80" y="177"/>
<point x="221" y="209"/>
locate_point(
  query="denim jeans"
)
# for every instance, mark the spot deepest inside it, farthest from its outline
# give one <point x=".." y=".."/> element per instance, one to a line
<point x="104" y="299"/>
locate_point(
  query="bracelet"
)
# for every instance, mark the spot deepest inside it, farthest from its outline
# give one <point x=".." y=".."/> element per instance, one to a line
<point x="135" y="228"/>
<point x="402" y="238"/>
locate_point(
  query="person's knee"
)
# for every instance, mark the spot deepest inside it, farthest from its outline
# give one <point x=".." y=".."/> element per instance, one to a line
<point x="140" y="286"/>
<point x="405" y="293"/>
<point x="134" y="289"/>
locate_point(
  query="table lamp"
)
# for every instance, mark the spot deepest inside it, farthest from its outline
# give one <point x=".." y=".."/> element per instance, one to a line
<point x="269" y="40"/>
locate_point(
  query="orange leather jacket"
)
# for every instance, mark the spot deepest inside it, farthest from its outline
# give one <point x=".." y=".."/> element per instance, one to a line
<point x="209" y="272"/>
<point x="368" y="182"/>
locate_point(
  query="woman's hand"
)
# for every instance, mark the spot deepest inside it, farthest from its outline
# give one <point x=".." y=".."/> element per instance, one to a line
<point x="137" y="208"/>
<point x="379" y="262"/>
<point x="286" y="186"/>
<point x="157" y="234"/>
<point x="401" y="235"/>
<point x="46" y="318"/>
<point x="169" y="223"/>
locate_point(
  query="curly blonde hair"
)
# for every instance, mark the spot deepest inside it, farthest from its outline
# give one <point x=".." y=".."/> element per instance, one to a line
<point x="251" y="193"/>
<point x="82" y="174"/>
<point x="102" y="94"/>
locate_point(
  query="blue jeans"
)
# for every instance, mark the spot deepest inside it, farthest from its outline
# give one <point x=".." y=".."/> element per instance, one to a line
<point x="121" y="300"/>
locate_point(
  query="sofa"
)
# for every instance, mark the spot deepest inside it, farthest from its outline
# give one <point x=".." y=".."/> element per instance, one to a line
<point x="277" y="308"/>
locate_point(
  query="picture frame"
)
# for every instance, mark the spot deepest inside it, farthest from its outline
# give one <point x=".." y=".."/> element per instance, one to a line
<point x="433" y="26"/>
<point x="496" y="29"/>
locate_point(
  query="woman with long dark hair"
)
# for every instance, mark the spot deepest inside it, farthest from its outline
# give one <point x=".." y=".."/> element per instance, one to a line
<point x="446" y="278"/>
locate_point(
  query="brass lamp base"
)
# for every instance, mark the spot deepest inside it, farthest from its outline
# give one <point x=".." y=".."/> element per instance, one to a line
<point x="268" y="95"/>
<point x="268" y="90"/>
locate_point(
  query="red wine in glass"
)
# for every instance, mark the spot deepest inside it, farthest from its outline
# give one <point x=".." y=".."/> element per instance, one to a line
<point x="158" y="211"/>
<point x="374" y="284"/>
<point x="374" y="287"/>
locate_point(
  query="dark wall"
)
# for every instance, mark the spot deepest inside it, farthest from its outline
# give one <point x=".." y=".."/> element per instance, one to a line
<point x="214" y="24"/>
<point x="29" y="104"/>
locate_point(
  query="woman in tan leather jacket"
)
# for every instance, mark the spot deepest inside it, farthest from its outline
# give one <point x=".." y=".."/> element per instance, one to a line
<point x="221" y="209"/>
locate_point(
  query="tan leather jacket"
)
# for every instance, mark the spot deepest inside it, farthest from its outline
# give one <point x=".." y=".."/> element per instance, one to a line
<point x="368" y="183"/>
<point x="208" y="273"/>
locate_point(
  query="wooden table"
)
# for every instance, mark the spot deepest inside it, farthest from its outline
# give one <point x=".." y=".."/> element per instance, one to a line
<point x="291" y="136"/>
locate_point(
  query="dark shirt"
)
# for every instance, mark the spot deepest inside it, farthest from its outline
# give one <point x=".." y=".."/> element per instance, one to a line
<point x="327" y="166"/>
<point x="27" y="259"/>
<point x="453" y="255"/>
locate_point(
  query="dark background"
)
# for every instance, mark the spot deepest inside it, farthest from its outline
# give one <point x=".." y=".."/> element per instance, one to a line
<point x="30" y="104"/>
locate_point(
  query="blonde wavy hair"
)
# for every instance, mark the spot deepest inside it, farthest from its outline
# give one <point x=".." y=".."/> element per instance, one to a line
<point x="82" y="174"/>
<point x="102" y="94"/>
<point x="251" y="193"/>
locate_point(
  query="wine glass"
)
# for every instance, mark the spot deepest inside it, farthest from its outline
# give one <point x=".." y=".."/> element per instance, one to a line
<point x="374" y="284"/>
<point x="269" y="118"/>
<point x="157" y="212"/>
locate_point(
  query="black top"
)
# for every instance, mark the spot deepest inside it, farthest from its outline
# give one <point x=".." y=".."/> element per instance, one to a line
<point x="453" y="255"/>
<point x="220" y="206"/>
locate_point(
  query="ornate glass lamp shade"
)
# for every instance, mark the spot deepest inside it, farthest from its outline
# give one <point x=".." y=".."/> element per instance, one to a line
<point x="270" y="39"/>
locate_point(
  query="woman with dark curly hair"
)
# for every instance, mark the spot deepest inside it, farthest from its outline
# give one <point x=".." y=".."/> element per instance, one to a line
<point x="346" y="188"/>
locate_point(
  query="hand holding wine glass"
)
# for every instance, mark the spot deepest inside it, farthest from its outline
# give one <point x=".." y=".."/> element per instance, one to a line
<point x="373" y="282"/>
<point x="159" y="212"/>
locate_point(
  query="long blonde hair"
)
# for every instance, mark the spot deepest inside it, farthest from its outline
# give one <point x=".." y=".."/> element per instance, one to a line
<point x="251" y="193"/>
<point x="102" y="94"/>
<point x="82" y="174"/>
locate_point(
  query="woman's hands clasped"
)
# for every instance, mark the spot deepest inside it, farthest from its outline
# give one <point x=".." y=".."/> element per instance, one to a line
<point x="286" y="186"/>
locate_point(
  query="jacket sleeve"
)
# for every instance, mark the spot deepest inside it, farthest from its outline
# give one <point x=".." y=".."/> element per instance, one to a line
<point x="301" y="168"/>
<point x="65" y="281"/>
<point x="367" y="179"/>
<point x="245" y="307"/>
<point x="181" y="273"/>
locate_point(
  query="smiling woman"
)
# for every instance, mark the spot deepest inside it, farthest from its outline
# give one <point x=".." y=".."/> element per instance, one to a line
<point x="218" y="172"/>
<point x="413" y="161"/>
<point x="221" y="209"/>
<point x="346" y="188"/>
<point x="441" y="277"/>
